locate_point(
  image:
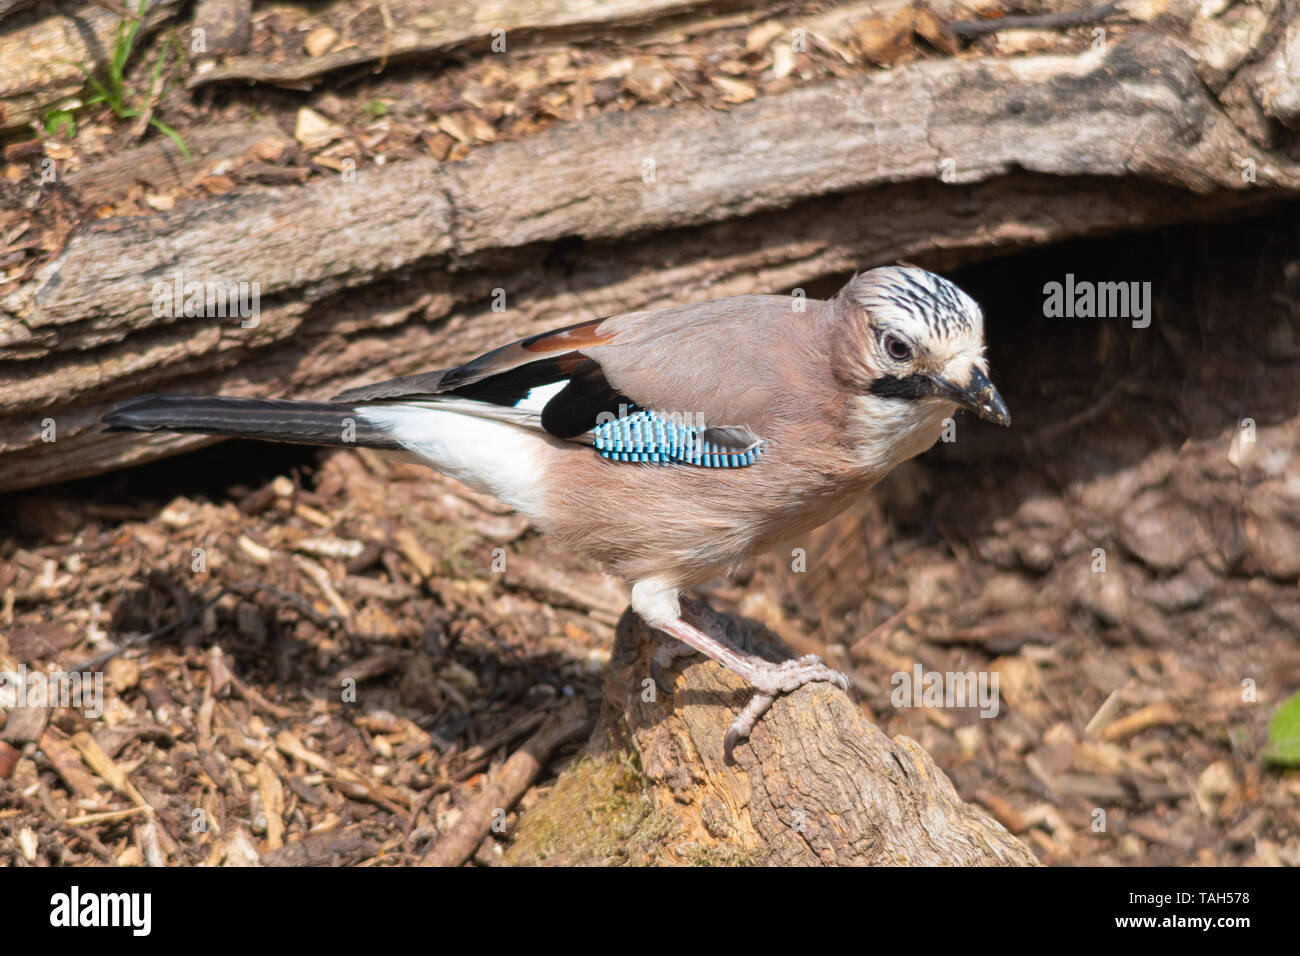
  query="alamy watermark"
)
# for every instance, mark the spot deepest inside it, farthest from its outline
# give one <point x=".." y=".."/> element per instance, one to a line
<point x="923" y="688"/>
<point x="1083" y="299"/>
<point x="677" y="420"/>
<point x="133" y="911"/>
<point x="214" y="299"/>
<point x="78" y="690"/>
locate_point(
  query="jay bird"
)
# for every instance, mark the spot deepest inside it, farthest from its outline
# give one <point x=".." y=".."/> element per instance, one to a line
<point x="669" y="445"/>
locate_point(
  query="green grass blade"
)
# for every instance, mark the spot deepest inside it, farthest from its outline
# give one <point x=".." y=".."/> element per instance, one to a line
<point x="56" y="120"/>
<point x="156" y="73"/>
<point x="126" y="34"/>
<point x="174" y="136"/>
<point x="100" y="91"/>
<point x="1284" y="734"/>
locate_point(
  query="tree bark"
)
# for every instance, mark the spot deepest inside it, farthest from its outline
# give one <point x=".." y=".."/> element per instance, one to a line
<point x="816" y="783"/>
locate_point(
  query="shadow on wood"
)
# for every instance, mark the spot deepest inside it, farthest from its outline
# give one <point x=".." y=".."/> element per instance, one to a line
<point x="816" y="783"/>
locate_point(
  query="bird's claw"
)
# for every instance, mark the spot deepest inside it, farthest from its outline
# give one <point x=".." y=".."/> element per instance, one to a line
<point x="769" y="682"/>
<point x="745" y="722"/>
<point x="774" y="679"/>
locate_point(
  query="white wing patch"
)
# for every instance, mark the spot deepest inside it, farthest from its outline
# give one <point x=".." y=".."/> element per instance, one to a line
<point x="537" y="398"/>
<point x="495" y="457"/>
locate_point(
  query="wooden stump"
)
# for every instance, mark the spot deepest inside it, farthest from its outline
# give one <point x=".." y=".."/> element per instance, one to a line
<point x="816" y="783"/>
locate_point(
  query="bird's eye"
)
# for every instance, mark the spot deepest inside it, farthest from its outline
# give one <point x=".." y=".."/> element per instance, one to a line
<point x="898" y="350"/>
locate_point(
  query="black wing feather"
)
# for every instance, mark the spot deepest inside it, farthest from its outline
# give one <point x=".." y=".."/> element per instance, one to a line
<point x="576" y="409"/>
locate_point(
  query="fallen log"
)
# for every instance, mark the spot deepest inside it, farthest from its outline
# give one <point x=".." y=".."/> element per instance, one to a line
<point x="1133" y="110"/>
<point x="394" y="272"/>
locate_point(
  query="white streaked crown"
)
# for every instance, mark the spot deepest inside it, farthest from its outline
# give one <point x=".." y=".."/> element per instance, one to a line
<point x="914" y="299"/>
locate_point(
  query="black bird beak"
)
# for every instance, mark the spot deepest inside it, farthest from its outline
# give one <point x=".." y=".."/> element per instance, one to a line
<point x="978" y="395"/>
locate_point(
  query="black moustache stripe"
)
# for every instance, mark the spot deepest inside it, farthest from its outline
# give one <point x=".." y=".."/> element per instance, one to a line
<point x="910" y="386"/>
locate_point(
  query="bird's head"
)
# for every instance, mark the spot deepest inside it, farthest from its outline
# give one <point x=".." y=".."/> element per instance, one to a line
<point x="910" y="347"/>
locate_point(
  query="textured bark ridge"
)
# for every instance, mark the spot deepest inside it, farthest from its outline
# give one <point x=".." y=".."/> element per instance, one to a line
<point x="817" y="783"/>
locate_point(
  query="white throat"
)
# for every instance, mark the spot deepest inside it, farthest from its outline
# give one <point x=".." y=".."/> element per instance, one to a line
<point x="887" y="431"/>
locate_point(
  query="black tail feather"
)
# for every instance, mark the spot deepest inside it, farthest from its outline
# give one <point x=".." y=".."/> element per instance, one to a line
<point x="306" y="423"/>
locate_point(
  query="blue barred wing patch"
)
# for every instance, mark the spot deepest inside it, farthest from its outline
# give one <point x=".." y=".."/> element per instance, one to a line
<point x="644" y="436"/>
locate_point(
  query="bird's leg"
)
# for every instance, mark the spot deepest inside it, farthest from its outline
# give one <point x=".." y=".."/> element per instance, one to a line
<point x="769" y="680"/>
<point x="669" y="651"/>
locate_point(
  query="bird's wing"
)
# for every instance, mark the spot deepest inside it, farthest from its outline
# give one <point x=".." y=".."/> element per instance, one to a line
<point x="542" y="381"/>
<point x="709" y="373"/>
<point x="744" y="360"/>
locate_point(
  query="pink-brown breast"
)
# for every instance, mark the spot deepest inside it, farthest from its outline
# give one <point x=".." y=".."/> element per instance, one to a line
<point x="685" y="524"/>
